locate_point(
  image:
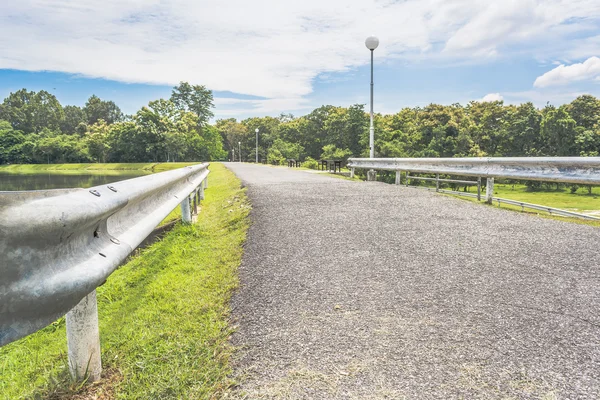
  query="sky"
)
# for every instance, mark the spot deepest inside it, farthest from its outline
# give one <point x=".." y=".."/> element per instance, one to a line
<point x="266" y="57"/>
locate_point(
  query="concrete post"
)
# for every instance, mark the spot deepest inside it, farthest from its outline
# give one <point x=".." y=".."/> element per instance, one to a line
<point x="352" y="173"/>
<point x="398" y="177"/>
<point x="489" y="191"/>
<point x="186" y="211"/>
<point x="371" y="175"/>
<point x="83" y="340"/>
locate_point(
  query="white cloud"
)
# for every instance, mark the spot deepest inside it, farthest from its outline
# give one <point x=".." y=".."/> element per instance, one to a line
<point x="563" y="74"/>
<point x="492" y="97"/>
<point x="272" y="48"/>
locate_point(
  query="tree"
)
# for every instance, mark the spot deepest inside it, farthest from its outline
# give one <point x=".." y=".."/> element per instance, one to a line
<point x="96" y="109"/>
<point x="330" y="152"/>
<point x="15" y="110"/>
<point x="232" y="132"/>
<point x="97" y="141"/>
<point x="585" y="110"/>
<point x="282" y="150"/>
<point x="558" y="132"/>
<point x="196" y="99"/>
<point x="32" y="112"/>
<point x="46" y="112"/>
<point x="72" y="121"/>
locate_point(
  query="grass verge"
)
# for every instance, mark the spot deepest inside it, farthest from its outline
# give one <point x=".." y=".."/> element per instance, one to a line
<point x="529" y="211"/>
<point x="92" y="167"/>
<point x="163" y="315"/>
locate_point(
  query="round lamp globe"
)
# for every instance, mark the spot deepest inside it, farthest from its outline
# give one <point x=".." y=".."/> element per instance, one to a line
<point x="372" y="42"/>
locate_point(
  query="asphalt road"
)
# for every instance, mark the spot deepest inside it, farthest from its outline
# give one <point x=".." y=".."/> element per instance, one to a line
<point x="364" y="290"/>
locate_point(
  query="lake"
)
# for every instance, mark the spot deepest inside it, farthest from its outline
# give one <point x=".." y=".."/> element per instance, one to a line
<point x="62" y="180"/>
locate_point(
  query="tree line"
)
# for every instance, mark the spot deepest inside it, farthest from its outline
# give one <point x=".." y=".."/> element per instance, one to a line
<point x="36" y="128"/>
<point x="478" y="129"/>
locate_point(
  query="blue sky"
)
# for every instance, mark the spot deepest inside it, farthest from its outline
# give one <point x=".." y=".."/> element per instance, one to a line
<point x="266" y="57"/>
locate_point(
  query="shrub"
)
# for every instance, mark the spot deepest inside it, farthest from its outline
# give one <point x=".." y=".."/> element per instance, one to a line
<point x="310" y="163"/>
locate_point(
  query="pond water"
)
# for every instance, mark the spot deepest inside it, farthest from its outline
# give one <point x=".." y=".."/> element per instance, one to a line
<point x="61" y="180"/>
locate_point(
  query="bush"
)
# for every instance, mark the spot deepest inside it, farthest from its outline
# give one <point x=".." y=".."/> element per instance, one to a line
<point x="573" y="188"/>
<point x="275" y="157"/>
<point x="310" y="163"/>
<point x="330" y="152"/>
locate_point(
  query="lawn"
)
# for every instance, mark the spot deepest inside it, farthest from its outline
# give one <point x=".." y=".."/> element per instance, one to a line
<point x="92" y="167"/>
<point x="163" y="315"/>
<point x="563" y="198"/>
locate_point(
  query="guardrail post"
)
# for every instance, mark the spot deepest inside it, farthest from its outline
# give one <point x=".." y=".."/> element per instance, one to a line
<point x="489" y="191"/>
<point x="206" y="183"/>
<point x="371" y="175"/>
<point x="479" y="188"/>
<point x="437" y="182"/>
<point x="351" y="172"/>
<point x="186" y="211"/>
<point x="83" y="340"/>
<point x="398" y="177"/>
<point x="407" y="176"/>
<point x="195" y="201"/>
<point x="201" y="191"/>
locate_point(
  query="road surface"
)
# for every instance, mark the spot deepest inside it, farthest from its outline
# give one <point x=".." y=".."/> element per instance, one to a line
<point x="364" y="290"/>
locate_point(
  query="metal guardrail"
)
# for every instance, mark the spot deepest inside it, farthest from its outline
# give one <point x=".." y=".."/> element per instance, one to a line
<point x="581" y="170"/>
<point x="578" y="170"/>
<point x="57" y="246"/>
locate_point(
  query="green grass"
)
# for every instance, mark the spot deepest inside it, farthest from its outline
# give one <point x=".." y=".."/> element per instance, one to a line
<point x="91" y="168"/>
<point x="163" y="316"/>
<point x="579" y="201"/>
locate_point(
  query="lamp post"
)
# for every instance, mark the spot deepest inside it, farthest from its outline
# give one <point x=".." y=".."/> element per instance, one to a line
<point x="240" y="149"/>
<point x="256" y="130"/>
<point x="372" y="42"/>
<point x="232" y="155"/>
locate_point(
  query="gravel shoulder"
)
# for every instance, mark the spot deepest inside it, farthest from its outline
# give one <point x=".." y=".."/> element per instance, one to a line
<point x="363" y="290"/>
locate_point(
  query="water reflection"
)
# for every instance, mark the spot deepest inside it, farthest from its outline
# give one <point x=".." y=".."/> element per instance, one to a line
<point x="54" y="180"/>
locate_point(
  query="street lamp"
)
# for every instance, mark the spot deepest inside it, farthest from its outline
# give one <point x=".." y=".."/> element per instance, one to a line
<point x="240" y="149"/>
<point x="232" y="155"/>
<point x="372" y="42"/>
<point x="256" y="130"/>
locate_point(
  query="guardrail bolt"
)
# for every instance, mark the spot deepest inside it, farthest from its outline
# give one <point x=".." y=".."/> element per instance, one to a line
<point x="95" y="193"/>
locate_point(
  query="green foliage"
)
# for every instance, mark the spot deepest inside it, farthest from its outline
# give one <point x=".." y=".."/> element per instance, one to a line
<point x="281" y="151"/>
<point x="196" y="99"/>
<point x="177" y="130"/>
<point x="96" y="109"/>
<point x="311" y="163"/>
<point x="37" y="129"/>
<point x="330" y="152"/>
